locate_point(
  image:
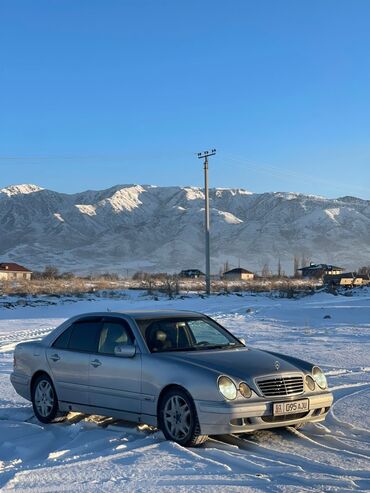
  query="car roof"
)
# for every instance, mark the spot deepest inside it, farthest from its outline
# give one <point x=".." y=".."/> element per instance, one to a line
<point x="143" y="314"/>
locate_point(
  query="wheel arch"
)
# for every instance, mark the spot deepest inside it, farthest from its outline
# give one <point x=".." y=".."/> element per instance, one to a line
<point x="195" y="438"/>
<point x="169" y="387"/>
<point x="37" y="374"/>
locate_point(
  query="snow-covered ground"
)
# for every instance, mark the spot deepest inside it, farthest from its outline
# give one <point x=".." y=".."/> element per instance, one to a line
<point x="100" y="454"/>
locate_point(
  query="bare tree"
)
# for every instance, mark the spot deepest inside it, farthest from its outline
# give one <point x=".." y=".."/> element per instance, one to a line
<point x="279" y="268"/>
<point x="304" y="261"/>
<point x="296" y="266"/>
<point x="365" y="270"/>
<point x="140" y="276"/>
<point x="266" y="271"/>
<point x="50" y="272"/>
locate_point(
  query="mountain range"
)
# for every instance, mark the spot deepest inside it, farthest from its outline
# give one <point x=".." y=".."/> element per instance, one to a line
<point x="141" y="227"/>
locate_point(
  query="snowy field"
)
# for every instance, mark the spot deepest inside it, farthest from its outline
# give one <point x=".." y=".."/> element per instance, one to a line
<point x="103" y="455"/>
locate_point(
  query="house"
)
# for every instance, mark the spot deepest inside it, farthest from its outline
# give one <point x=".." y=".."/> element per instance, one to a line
<point x="238" y="274"/>
<point x="11" y="271"/>
<point x="348" y="279"/>
<point x="317" y="271"/>
<point x="191" y="273"/>
<point x="365" y="278"/>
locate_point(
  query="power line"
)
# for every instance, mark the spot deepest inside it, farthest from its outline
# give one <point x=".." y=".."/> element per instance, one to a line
<point x="285" y="174"/>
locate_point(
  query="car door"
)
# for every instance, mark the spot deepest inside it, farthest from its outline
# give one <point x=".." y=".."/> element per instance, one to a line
<point x="69" y="358"/>
<point x="115" y="381"/>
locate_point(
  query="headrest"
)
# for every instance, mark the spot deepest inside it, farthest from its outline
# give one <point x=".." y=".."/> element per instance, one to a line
<point x="160" y="335"/>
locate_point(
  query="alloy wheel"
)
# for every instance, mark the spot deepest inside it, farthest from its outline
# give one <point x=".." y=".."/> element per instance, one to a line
<point x="44" y="398"/>
<point x="177" y="417"/>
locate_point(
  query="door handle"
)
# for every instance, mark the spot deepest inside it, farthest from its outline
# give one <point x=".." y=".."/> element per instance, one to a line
<point x="95" y="363"/>
<point x="55" y="357"/>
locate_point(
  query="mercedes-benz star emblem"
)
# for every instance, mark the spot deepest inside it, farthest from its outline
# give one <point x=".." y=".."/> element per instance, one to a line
<point x="277" y="365"/>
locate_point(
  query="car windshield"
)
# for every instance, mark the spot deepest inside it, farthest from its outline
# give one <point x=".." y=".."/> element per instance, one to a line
<point x="185" y="334"/>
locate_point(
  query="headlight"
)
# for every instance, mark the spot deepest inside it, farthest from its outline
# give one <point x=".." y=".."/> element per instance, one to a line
<point x="227" y="388"/>
<point x="245" y="390"/>
<point x="310" y="382"/>
<point x="319" y="377"/>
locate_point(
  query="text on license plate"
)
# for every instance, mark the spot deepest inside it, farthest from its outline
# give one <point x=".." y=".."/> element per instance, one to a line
<point x="291" y="407"/>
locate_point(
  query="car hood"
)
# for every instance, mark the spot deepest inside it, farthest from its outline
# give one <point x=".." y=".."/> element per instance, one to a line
<point x="243" y="363"/>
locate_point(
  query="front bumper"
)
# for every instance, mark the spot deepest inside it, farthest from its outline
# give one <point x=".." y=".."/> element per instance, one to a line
<point x="217" y="418"/>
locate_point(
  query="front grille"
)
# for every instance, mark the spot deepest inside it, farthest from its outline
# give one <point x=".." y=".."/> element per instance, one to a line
<point x="281" y="385"/>
<point x="284" y="417"/>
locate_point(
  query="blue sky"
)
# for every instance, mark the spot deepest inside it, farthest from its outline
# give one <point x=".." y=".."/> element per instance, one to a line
<point x="95" y="93"/>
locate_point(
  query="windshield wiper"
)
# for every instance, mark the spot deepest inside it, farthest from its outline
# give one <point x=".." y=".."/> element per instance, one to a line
<point x="200" y="348"/>
<point x="220" y="346"/>
<point x="191" y="348"/>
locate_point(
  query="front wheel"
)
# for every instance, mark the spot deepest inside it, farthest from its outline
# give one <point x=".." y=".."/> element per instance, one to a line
<point x="178" y="419"/>
<point x="44" y="399"/>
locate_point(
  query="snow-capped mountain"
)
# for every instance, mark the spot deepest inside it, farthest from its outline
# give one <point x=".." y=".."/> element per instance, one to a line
<point x="138" y="227"/>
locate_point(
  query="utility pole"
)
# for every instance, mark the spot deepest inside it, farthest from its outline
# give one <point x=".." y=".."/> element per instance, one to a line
<point x="205" y="155"/>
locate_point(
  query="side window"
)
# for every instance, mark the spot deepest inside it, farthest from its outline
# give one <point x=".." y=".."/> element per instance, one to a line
<point x="63" y="339"/>
<point x="84" y="336"/>
<point x="114" y="334"/>
<point x="167" y="335"/>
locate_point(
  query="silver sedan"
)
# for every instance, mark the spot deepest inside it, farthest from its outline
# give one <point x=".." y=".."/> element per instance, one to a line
<point x="176" y="370"/>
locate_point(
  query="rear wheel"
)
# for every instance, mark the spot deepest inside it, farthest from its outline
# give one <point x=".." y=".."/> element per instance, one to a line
<point x="44" y="400"/>
<point x="178" y="419"/>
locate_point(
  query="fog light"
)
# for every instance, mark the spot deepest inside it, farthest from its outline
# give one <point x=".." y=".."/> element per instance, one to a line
<point x="310" y="382"/>
<point x="245" y="390"/>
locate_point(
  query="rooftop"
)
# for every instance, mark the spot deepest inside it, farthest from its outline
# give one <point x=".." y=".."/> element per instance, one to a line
<point x="238" y="270"/>
<point x="13" y="267"/>
<point x="144" y="314"/>
<point x="320" y="267"/>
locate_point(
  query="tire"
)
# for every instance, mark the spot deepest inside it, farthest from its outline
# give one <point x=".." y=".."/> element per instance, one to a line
<point x="178" y="420"/>
<point x="45" y="400"/>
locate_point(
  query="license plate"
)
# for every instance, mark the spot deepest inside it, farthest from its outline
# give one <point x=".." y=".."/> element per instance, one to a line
<point x="290" y="407"/>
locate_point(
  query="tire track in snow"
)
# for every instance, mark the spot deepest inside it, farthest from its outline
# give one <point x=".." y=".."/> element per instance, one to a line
<point x="9" y="340"/>
<point x="87" y="456"/>
<point x="322" y="473"/>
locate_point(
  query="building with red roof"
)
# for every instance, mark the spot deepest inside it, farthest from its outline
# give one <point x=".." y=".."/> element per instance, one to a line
<point x="12" y="271"/>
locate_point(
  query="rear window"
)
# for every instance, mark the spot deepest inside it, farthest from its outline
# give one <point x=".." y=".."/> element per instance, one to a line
<point x="63" y="340"/>
<point x="82" y="335"/>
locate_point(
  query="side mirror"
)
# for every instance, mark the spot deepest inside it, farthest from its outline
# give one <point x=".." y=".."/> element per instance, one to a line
<point x="125" y="351"/>
<point x="242" y="340"/>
